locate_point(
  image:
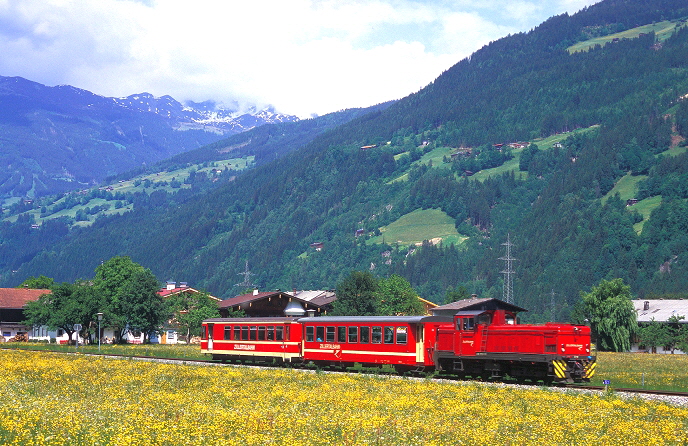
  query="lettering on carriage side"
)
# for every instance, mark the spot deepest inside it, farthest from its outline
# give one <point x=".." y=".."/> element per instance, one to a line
<point x="244" y="347"/>
<point x="330" y="346"/>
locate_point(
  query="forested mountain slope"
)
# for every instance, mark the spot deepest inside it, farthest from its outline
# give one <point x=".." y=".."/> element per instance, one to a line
<point x="623" y="104"/>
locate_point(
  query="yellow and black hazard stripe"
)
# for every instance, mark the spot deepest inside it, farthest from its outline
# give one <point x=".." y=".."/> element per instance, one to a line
<point x="590" y="369"/>
<point x="560" y="368"/>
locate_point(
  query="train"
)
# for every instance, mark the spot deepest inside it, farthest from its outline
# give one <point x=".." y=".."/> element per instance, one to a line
<point x="484" y="343"/>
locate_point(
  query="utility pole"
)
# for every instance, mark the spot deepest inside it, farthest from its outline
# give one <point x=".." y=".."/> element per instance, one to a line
<point x="247" y="278"/>
<point x="508" y="290"/>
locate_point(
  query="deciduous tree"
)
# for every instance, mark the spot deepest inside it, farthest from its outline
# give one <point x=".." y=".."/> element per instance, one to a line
<point x="610" y="311"/>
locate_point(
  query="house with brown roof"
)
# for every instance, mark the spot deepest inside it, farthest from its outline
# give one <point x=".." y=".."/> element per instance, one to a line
<point x="12" y="303"/>
<point x="168" y="334"/>
<point x="280" y="303"/>
<point x="474" y="304"/>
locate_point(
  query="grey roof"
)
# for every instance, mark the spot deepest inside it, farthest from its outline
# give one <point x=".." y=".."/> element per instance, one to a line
<point x="660" y="309"/>
<point x="485" y="303"/>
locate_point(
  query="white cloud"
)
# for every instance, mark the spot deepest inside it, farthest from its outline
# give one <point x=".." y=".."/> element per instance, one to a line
<point x="302" y="56"/>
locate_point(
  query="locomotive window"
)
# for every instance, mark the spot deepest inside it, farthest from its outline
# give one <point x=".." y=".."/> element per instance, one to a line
<point x="510" y="319"/>
<point x="309" y="334"/>
<point x="320" y="333"/>
<point x="252" y="333"/>
<point x="228" y="333"/>
<point x="261" y="333"/>
<point x="401" y="335"/>
<point x="244" y="332"/>
<point x="341" y="334"/>
<point x="377" y="335"/>
<point x="237" y="332"/>
<point x="279" y="334"/>
<point x="389" y="335"/>
<point x="271" y="333"/>
<point x="353" y="334"/>
<point x="329" y="335"/>
<point x="468" y="323"/>
<point x="484" y="319"/>
<point x="365" y="335"/>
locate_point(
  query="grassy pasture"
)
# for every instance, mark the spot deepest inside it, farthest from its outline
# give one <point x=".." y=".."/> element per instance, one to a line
<point x="663" y="30"/>
<point x="419" y="225"/>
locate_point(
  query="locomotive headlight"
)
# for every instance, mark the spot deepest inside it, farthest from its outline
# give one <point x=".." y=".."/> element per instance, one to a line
<point x="587" y="349"/>
<point x="563" y="349"/>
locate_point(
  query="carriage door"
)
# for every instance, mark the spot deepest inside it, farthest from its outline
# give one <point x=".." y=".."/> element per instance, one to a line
<point x="210" y="336"/>
<point x="420" y="344"/>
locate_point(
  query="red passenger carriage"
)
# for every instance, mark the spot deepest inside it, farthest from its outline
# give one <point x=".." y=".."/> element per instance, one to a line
<point x="257" y="338"/>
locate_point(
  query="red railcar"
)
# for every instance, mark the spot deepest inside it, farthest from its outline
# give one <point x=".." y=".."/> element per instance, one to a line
<point x="487" y="343"/>
<point x="257" y="338"/>
<point x="395" y="340"/>
<point x="490" y="344"/>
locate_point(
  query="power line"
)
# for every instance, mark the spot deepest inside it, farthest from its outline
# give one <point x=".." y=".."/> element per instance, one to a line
<point x="247" y="278"/>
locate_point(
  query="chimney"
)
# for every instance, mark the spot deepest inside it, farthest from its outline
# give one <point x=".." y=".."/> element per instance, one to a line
<point x="255" y="292"/>
<point x="474" y="296"/>
<point x="646" y="305"/>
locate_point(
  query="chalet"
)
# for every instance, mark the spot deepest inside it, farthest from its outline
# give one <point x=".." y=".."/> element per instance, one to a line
<point x="369" y="147"/>
<point x="359" y="232"/>
<point x="474" y="304"/>
<point x="318" y="246"/>
<point x="659" y="310"/>
<point x="12" y="303"/>
<point x="631" y="201"/>
<point x="462" y="153"/>
<point x="168" y="333"/>
<point x="279" y="303"/>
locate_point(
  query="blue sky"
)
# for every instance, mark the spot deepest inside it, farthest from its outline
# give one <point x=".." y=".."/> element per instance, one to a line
<point x="302" y="56"/>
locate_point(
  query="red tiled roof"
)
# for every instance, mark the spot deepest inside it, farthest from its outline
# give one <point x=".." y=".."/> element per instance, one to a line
<point x="16" y="298"/>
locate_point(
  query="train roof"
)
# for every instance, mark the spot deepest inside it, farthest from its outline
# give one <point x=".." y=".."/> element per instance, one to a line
<point x="246" y="320"/>
<point x="367" y="319"/>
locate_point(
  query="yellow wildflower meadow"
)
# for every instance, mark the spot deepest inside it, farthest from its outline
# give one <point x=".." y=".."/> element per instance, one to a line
<point x="48" y="398"/>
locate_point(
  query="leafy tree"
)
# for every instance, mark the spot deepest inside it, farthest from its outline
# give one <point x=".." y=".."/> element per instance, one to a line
<point x="610" y="311"/>
<point x="190" y="310"/>
<point x="357" y="295"/>
<point x="68" y="304"/>
<point x="395" y="296"/>
<point x="653" y="334"/>
<point x="37" y="283"/>
<point x="129" y="296"/>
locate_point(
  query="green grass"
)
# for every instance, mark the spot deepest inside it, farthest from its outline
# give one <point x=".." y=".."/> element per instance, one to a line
<point x="420" y="225"/>
<point x="662" y="30"/>
<point x="183" y="351"/>
<point x="626" y="187"/>
<point x="643" y="370"/>
<point x="645" y="208"/>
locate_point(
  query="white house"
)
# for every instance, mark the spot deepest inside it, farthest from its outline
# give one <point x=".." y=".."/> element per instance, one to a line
<point x="659" y="310"/>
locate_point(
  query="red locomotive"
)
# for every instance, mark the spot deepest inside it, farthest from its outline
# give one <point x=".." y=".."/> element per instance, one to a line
<point x="483" y="339"/>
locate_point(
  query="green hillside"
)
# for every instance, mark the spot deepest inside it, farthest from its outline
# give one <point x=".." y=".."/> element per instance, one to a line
<point x="602" y="121"/>
<point x="662" y="30"/>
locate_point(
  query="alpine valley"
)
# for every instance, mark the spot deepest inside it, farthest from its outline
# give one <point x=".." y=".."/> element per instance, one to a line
<point x="565" y="144"/>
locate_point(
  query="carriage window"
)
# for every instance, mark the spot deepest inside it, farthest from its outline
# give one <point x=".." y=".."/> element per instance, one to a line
<point x="261" y="333"/>
<point x="237" y="332"/>
<point x="271" y="333"/>
<point x="365" y="335"/>
<point x="252" y="333"/>
<point x="341" y="334"/>
<point x="228" y="333"/>
<point x="401" y="335"/>
<point x="377" y="335"/>
<point x="210" y="331"/>
<point x="279" y="333"/>
<point x="320" y="333"/>
<point x="353" y="334"/>
<point x="205" y="332"/>
<point x="244" y="332"/>
<point x="286" y="332"/>
<point x="329" y="334"/>
<point x="468" y="323"/>
<point x="310" y="334"/>
<point x="389" y="335"/>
